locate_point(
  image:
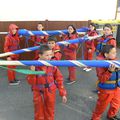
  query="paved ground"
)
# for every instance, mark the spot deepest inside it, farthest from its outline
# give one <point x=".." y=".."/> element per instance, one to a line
<point x="16" y="101"/>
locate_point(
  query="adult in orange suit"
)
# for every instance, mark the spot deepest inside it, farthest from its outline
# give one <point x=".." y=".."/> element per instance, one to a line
<point x="44" y="87"/>
<point x="70" y="52"/>
<point x="108" y="86"/>
<point x="55" y="48"/>
<point x="11" y="44"/>
<point x="89" y="45"/>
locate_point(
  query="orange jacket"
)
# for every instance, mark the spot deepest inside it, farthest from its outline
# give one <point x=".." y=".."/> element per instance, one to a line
<point x="12" y="41"/>
<point x="103" y="74"/>
<point x="112" y="40"/>
<point x="37" y="40"/>
<point x="90" y="43"/>
<point x="53" y="75"/>
<point x="57" y="53"/>
<point x="72" y="47"/>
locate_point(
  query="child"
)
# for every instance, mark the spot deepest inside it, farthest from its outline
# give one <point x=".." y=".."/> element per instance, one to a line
<point x="106" y="39"/>
<point x="44" y="87"/>
<point x="108" y="85"/>
<point x="11" y="44"/>
<point x="55" y="48"/>
<point x="70" y="52"/>
<point x="89" y="45"/>
<point x="39" y="39"/>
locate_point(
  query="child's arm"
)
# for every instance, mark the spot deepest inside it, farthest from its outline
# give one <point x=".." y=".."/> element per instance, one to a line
<point x="73" y="46"/>
<point x="6" y="44"/>
<point x="112" y="42"/>
<point x="105" y="74"/>
<point x="57" y="55"/>
<point x="59" y="79"/>
<point x="31" y="79"/>
<point x="45" y="39"/>
<point x="32" y="38"/>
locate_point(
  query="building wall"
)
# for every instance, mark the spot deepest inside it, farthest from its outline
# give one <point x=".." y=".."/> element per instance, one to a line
<point x="31" y="25"/>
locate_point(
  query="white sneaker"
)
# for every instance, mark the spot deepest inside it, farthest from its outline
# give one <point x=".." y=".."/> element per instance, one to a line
<point x="70" y="82"/>
<point x="88" y="69"/>
<point x="17" y="80"/>
<point x="14" y="83"/>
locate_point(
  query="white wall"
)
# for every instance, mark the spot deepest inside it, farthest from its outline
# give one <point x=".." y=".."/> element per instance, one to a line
<point x="23" y="10"/>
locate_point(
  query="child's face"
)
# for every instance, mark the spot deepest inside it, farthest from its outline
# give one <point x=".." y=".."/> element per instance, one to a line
<point x="47" y="55"/>
<point x="107" y="31"/>
<point x="14" y="31"/>
<point x="91" y="27"/>
<point x="40" y="27"/>
<point x="112" y="54"/>
<point x="51" y="44"/>
<point x="70" y="29"/>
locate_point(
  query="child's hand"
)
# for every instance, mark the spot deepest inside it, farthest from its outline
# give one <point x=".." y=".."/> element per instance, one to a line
<point x="32" y="68"/>
<point x="66" y="45"/>
<point x="42" y="37"/>
<point x="90" y="50"/>
<point x="112" y="68"/>
<point x="60" y="35"/>
<point x="64" y="99"/>
<point x="9" y="58"/>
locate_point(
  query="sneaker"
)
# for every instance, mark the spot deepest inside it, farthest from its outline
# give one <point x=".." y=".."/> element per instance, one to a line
<point x="113" y="118"/>
<point x="95" y="91"/>
<point x="13" y="83"/>
<point x="17" y="80"/>
<point x="70" y="82"/>
<point x="88" y="69"/>
<point x="68" y="78"/>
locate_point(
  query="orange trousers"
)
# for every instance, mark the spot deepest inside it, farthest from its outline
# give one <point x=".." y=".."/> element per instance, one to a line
<point x="106" y="97"/>
<point x="44" y="105"/>
<point x="11" y="73"/>
<point x="88" y="55"/>
<point x="71" y="70"/>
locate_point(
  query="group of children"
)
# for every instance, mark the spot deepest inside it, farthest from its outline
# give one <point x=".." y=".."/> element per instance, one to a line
<point x="44" y="86"/>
